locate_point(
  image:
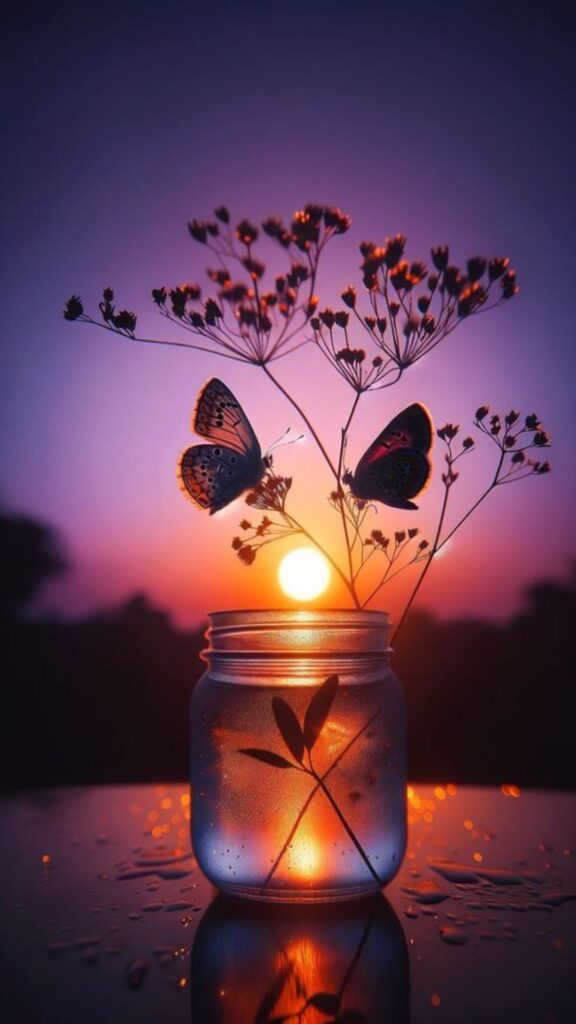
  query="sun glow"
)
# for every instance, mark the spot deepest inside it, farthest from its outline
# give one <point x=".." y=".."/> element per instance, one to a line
<point x="303" y="574"/>
<point x="305" y="857"/>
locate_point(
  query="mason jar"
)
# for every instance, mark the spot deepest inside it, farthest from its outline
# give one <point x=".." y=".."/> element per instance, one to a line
<point x="298" y="756"/>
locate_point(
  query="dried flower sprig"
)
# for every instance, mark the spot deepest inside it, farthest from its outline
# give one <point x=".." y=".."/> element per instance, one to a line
<point x="398" y="551"/>
<point x="254" y="318"/>
<point x="243" y="318"/>
<point x="512" y="437"/>
<point x="412" y="310"/>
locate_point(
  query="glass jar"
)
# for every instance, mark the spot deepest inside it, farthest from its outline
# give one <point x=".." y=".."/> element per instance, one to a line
<point x="298" y="756"/>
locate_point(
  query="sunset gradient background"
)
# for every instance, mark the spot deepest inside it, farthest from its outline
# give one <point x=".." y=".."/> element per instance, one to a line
<point x="450" y="123"/>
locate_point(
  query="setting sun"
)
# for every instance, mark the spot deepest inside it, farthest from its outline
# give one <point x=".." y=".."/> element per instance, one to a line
<point x="303" y="574"/>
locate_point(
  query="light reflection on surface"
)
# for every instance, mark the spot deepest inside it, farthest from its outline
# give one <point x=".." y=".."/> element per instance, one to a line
<point x="255" y="963"/>
<point x="491" y="939"/>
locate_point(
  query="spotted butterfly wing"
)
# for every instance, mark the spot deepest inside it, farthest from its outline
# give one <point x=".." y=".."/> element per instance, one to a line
<point x="215" y="474"/>
<point x="396" y="466"/>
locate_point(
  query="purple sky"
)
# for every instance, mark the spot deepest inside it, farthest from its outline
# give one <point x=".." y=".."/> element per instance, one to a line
<point x="448" y="122"/>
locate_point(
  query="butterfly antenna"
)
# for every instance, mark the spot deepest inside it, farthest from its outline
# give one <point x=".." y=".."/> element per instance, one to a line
<point x="280" y="442"/>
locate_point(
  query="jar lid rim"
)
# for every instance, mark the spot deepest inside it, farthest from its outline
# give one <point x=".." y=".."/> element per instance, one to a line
<point x="303" y="614"/>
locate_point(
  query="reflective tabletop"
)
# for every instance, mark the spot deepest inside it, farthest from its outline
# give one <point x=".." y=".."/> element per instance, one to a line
<point x="106" y="917"/>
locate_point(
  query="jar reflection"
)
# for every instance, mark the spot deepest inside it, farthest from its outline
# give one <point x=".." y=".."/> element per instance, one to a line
<point x="254" y="964"/>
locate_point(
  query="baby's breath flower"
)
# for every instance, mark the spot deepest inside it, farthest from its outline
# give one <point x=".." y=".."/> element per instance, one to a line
<point x="74" y="308"/>
<point x="270" y="493"/>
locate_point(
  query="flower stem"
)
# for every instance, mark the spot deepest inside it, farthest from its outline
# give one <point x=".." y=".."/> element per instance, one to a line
<point x="347" y="828"/>
<point x="303" y="416"/>
<point x="422" y="576"/>
<point x="312" y="794"/>
<point x="343" y="440"/>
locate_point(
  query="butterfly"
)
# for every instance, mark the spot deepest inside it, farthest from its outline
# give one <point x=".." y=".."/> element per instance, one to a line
<point x="215" y="474"/>
<point x="396" y="466"/>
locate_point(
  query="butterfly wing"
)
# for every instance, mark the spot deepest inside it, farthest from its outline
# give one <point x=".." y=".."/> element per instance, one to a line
<point x="219" y="417"/>
<point x="411" y="428"/>
<point x="395" y="467"/>
<point x="393" y="478"/>
<point x="213" y="475"/>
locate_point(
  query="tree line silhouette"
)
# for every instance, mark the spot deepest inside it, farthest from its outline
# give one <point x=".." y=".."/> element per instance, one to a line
<point x="105" y="699"/>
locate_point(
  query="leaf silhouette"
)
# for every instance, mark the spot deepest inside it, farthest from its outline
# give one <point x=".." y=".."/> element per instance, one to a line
<point x="289" y="727"/>
<point x="325" y="1002"/>
<point x="317" y="711"/>
<point x="272" y="996"/>
<point x="267" y="756"/>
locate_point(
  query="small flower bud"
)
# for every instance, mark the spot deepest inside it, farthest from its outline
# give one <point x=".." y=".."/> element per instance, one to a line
<point x="496" y="267"/>
<point x="74" y="308"/>
<point x="222" y="215"/>
<point x="212" y="312"/>
<point x="367" y="248"/>
<point x="475" y="268"/>
<point x="448" y="431"/>
<point x="327" y="318"/>
<point x="394" y="250"/>
<point x="247" y="555"/>
<point x="508" y="285"/>
<point x="197" y="229"/>
<point x="246" y="232"/>
<point x="440" y="256"/>
<point x="453" y="281"/>
<point x="125" y="321"/>
<point x="349" y="297"/>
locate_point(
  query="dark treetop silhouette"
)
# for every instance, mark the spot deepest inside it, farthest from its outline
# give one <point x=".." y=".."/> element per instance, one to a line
<point x="105" y="699"/>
